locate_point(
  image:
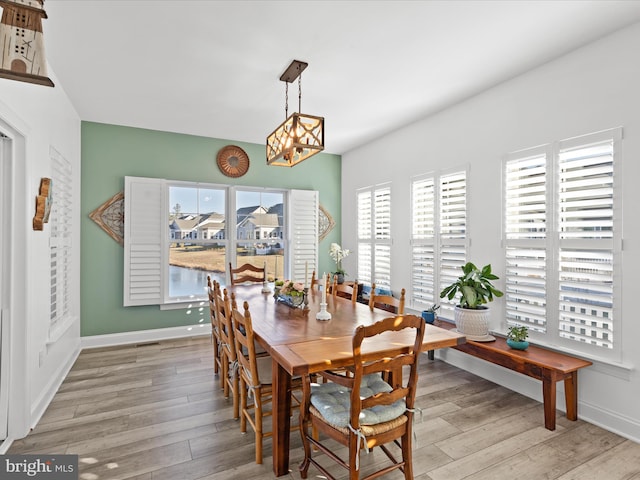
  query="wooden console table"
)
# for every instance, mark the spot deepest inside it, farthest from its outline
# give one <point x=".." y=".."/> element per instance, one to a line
<point x="537" y="362"/>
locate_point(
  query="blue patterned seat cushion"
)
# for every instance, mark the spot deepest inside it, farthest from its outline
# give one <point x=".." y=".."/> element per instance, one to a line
<point x="333" y="402"/>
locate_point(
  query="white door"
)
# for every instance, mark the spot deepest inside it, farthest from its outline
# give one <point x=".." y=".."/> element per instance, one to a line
<point x="5" y="187"/>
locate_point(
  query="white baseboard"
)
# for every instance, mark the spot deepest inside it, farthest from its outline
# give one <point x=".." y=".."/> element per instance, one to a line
<point x="49" y="392"/>
<point x="144" y="336"/>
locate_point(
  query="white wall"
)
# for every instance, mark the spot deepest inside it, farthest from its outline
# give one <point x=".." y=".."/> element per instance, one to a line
<point x="40" y="117"/>
<point x="594" y="88"/>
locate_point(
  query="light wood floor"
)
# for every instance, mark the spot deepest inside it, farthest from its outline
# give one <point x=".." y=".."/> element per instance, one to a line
<point x="156" y="412"/>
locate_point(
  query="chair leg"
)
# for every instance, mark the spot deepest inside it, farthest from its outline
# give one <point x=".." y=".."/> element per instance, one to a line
<point x="258" y="420"/>
<point x="236" y="396"/>
<point x="243" y="406"/>
<point x="354" y="474"/>
<point x="406" y="455"/>
<point x="304" y="431"/>
<point x="224" y="363"/>
<point x="214" y="340"/>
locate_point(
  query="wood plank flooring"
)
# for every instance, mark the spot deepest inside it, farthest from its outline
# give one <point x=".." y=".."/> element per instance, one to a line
<point x="155" y="411"/>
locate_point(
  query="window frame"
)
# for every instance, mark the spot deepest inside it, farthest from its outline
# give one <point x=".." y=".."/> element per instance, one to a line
<point x="147" y="235"/>
<point x="441" y="274"/>
<point x="373" y="240"/>
<point x="553" y="244"/>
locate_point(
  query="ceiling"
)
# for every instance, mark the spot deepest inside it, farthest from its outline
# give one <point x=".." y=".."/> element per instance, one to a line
<point x="212" y="68"/>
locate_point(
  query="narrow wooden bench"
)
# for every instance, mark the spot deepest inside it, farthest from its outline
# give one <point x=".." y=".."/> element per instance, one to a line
<point x="537" y="362"/>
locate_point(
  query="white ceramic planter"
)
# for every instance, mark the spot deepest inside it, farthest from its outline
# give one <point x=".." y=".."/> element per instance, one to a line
<point x="473" y="323"/>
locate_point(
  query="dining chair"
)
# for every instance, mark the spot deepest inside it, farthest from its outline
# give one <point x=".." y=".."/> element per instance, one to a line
<point x="247" y="273"/>
<point x="363" y="411"/>
<point x="386" y="302"/>
<point x="314" y="280"/>
<point x="229" y="373"/>
<point x="255" y="379"/>
<point x="345" y="290"/>
<point x="215" y="334"/>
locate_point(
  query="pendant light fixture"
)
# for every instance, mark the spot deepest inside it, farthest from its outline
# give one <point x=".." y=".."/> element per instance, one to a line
<point x="300" y="136"/>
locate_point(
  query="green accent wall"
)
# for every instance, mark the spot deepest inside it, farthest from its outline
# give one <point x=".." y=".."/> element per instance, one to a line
<point x="111" y="152"/>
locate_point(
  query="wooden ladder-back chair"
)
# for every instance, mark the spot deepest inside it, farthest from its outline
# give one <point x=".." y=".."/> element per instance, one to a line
<point x="359" y="426"/>
<point x="255" y="379"/>
<point x="229" y="373"/>
<point x="345" y="290"/>
<point x="386" y="302"/>
<point x="215" y="334"/>
<point x="247" y="273"/>
<point x="314" y="280"/>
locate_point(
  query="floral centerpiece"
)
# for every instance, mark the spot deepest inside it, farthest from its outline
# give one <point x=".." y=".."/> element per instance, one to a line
<point x="290" y="292"/>
<point x="338" y="254"/>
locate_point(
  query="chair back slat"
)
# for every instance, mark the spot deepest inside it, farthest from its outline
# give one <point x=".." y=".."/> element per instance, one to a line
<point x="247" y="273"/>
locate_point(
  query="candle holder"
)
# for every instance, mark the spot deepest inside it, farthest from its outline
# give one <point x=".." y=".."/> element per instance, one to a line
<point x="306" y="299"/>
<point x="265" y="286"/>
<point x="323" y="315"/>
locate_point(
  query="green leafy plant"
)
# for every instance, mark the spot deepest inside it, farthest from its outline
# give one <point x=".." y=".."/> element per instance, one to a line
<point x="518" y="333"/>
<point x="433" y="308"/>
<point x="474" y="285"/>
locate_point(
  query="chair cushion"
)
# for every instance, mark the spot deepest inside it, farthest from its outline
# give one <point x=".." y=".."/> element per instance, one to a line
<point x="333" y="402"/>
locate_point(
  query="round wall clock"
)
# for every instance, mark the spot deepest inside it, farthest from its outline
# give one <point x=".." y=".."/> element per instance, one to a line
<point x="233" y="161"/>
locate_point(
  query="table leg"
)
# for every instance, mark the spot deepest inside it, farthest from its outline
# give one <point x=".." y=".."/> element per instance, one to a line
<point x="571" y="395"/>
<point x="281" y="421"/>
<point x="549" y="400"/>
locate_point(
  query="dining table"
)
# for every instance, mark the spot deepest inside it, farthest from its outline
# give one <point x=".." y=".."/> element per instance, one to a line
<point x="301" y="344"/>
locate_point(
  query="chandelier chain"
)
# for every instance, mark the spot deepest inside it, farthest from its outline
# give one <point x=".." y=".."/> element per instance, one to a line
<point x="300" y="93"/>
<point x="286" y="100"/>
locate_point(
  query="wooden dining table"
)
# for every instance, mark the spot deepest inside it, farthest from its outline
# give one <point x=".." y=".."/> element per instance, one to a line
<point x="300" y="344"/>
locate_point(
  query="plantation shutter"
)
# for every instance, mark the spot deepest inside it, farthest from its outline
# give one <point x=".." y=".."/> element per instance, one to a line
<point x="561" y="261"/>
<point x="303" y="213"/>
<point x="60" y="251"/>
<point x="452" y="246"/>
<point x="364" y="237"/>
<point x="526" y="231"/>
<point x="585" y="227"/>
<point x="382" y="252"/>
<point x="422" y="242"/>
<point x="144" y="228"/>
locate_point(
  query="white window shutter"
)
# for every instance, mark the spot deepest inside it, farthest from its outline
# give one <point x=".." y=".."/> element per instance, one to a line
<point x="303" y="218"/>
<point x="144" y="228"/>
<point x="423" y="242"/>
<point x="526" y="186"/>
<point x="585" y="258"/>
<point x="452" y="241"/>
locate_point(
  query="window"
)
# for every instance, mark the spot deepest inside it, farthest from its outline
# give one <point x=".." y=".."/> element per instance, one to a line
<point x="177" y="233"/>
<point x="562" y="237"/>
<point x="60" y="253"/>
<point x="198" y="215"/>
<point x="438" y="236"/>
<point x="260" y="216"/>
<point x="374" y="236"/>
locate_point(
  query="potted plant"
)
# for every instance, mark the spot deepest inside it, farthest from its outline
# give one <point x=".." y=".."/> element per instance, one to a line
<point x="517" y="337"/>
<point x="476" y="290"/>
<point x="429" y="315"/>
<point x="338" y="254"/>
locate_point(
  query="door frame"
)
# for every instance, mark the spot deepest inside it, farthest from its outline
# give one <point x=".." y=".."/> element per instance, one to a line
<point x="15" y="242"/>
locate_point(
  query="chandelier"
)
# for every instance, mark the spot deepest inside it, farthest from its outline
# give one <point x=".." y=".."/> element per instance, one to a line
<point x="300" y="136"/>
